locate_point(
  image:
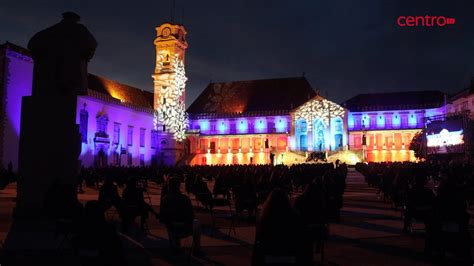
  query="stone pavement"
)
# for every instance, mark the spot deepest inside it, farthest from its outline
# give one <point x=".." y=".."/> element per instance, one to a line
<point x="369" y="234"/>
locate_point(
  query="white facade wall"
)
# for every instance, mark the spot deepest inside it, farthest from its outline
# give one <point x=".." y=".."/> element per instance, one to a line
<point x="116" y="113"/>
<point x="18" y="83"/>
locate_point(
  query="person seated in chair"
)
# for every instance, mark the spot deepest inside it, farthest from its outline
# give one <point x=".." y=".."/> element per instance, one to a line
<point x="134" y="205"/>
<point x="312" y="208"/>
<point x="108" y="195"/>
<point x="97" y="241"/>
<point x="451" y="222"/>
<point x="176" y="212"/>
<point x="419" y="204"/>
<point x="281" y="236"/>
<point x="246" y="198"/>
<point x="221" y="187"/>
<point x="202" y="193"/>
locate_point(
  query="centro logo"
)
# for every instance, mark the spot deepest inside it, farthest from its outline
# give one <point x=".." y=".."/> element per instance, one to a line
<point x="424" y="21"/>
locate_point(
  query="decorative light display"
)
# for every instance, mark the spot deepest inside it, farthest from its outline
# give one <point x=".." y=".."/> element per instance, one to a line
<point x="445" y="138"/>
<point x="319" y="109"/>
<point x="172" y="112"/>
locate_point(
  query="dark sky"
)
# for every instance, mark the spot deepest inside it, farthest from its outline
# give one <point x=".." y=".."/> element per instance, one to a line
<point x="344" y="47"/>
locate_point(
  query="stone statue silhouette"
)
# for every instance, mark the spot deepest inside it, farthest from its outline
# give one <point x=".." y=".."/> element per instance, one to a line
<point x="61" y="53"/>
<point x="50" y="141"/>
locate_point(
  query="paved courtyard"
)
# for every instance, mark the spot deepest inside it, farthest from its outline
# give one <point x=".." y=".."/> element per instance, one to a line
<point x="369" y="234"/>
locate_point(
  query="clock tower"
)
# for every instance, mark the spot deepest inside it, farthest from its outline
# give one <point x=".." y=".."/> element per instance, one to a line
<point x="169" y="81"/>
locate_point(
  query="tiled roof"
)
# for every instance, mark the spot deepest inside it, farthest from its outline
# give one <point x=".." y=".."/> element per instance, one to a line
<point x="395" y="101"/>
<point x="253" y="96"/>
<point x="16" y="48"/>
<point x="122" y="92"/>
<point x="463" y="93"/>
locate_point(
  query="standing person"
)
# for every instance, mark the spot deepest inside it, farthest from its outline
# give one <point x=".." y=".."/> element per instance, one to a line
<point x="281" y="235"/>
<point x="176" y="212"/>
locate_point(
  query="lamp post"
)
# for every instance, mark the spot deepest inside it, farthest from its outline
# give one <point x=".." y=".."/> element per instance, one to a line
<point x="364" y="144"/>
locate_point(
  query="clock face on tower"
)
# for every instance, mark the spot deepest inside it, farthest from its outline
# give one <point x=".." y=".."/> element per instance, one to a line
<point x="166" y="32"/>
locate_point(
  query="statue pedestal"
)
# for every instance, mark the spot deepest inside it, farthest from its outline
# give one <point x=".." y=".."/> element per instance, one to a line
<point x="49" y="151"/>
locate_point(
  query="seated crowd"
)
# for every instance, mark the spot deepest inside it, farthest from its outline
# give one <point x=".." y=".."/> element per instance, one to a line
<point x="434" y="193"/>
<point x="296" y="203"/>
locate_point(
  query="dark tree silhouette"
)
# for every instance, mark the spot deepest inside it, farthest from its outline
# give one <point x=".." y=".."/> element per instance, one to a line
<point x="418" y="144"/>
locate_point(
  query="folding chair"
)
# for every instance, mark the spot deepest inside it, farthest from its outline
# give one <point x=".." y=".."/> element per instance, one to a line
<point x="65" y="228"/>
<point x="228" y="216"/>
<point x="320" y="232"/>
<point x="181" y="230"/>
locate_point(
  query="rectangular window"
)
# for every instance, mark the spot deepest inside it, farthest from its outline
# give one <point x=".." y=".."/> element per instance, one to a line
<point x="404" y="119"/>
<point x="116" y="158"/>
<point x="130" y="136"/>
<point x="142" y="137"/>
<point x="84" y="118"/>
<point x="142" y="159"/>
<point x="154" y="139"/>
<point x="116" y="133"/>
<point x="373" y="121"/>
<point x="388" y="122"/>
<point x="129" y="159"/>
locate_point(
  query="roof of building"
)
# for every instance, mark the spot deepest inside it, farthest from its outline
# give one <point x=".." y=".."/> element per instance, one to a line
<point x="395" y="101"/>
<point x="126" y="94"/>
<point x="463" y="93"/>
<point x="252" y="96"/>
<point x="120" y="91"/>
<point x="16" y="48"/>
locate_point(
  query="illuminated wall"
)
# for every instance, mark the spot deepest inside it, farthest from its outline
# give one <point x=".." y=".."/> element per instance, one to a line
<point x="238" y="139"/>
<point x="169" y="80"/>
<point x="390" y="119"/>
<point x="384" y="145"/>
<point x="17" y="77"/>
<point x="319" y="125"/>
<point x="117" y="120"/>
<point x="388" y="133"/>
<point x="236" y="149"/>
<point x="240" y="125"/>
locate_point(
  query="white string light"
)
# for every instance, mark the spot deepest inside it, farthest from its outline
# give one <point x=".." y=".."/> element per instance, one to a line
<point x="319" y="109"/>
<point x="172" y="112"/>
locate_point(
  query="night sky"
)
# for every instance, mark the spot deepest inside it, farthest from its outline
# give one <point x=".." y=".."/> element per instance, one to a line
<point x="344" y="47"/>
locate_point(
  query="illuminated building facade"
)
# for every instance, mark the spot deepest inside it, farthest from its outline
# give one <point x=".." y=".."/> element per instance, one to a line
<point x="16" y="79"/>
<point x="116" y="120"/>
<point x="249" y="122"/>
<point x="239" y="122"/>
<point x="462" y="102"/>
<point x="382" y="125"/>
<point x="169" y="78"/>
<point x="119" y="124"/>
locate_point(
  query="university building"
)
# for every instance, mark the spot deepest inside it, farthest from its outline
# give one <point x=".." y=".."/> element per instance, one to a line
<point x="119" y="124"/>
<point x="280" y="120"/>
<point x="382" y="125"/>
<point x="251" y="122"/>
